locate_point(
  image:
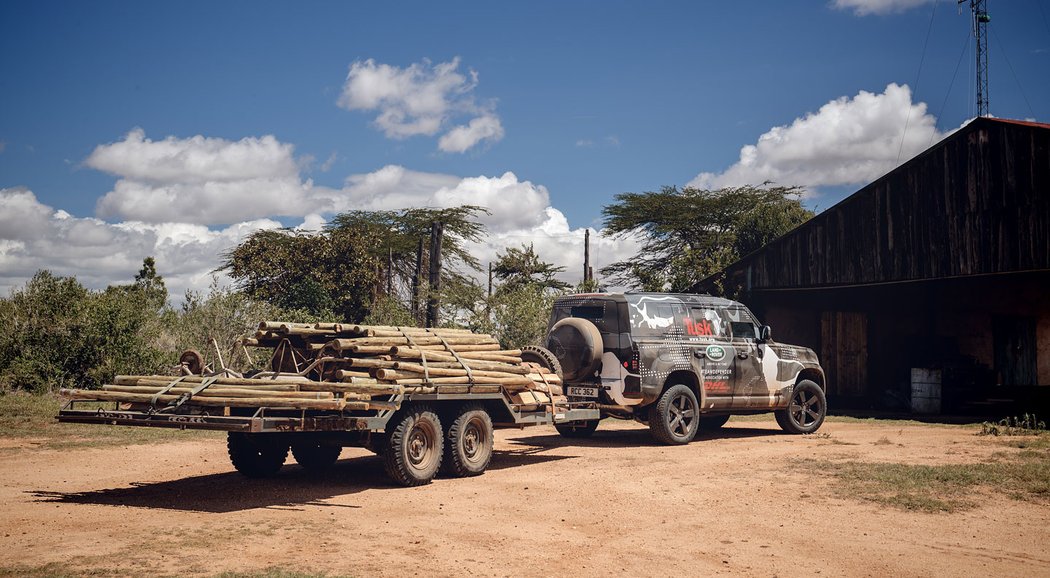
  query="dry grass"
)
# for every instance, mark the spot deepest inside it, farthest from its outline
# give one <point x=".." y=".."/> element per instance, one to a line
<point x="1021" y="475"/>
<point x="31" y="418"/>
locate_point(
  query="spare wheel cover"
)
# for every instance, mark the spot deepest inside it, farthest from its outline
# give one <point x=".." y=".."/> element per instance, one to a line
<point x="577" y="344"/>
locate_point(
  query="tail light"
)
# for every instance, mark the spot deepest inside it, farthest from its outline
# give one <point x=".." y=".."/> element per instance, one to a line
<point x="631" y="365"/>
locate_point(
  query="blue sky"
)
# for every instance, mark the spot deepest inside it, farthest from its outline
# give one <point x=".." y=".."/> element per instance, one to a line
<point x="138" y="128"/>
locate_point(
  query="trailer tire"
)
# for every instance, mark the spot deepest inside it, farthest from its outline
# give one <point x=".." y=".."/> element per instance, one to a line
<point x="256" y="455"/>
<point x="468" y="443"/>
<point x="414" y="447"/>
<point x="314" y="456"/>
<point x="577" y="429"/>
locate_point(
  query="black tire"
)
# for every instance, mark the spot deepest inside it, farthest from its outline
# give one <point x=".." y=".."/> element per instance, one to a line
<point x="256" y="455"/>
<point x="713" y="422"/>
<point x="468" y="443"/>
<point x="577" y="429"/>
<point x="577" y="344"/>
<point x="542" y="356"/>
<point x="414" y="446"/>
<point x="314" y="456"/>
<point x="676" y="417"/>
<point x="806" y="410"/>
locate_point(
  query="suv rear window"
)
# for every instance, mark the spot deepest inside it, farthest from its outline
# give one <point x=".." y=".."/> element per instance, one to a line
<point x="602" y="313"/>
<point x="593" y="313"/>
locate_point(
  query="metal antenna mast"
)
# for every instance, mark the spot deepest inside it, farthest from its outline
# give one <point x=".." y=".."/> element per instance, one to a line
<point x="980" y="20"/>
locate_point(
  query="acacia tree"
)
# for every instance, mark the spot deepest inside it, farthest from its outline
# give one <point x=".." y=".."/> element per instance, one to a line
<point x="518" y="310"/>
<point x="345" y="270"/>
<point x="327" y="274"/>
<point x="690" y="234"/>
<point x="522" y="267"/>
<point x="404" y="256"/>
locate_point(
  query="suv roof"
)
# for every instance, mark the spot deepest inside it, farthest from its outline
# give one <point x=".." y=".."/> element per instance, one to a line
<point x="696" y="298"/>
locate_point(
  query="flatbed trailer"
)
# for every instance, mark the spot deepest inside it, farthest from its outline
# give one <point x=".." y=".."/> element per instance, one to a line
<point x="416" y="434"/>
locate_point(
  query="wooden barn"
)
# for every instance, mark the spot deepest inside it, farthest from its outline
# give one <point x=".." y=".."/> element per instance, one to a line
<point x="927" y="289"/>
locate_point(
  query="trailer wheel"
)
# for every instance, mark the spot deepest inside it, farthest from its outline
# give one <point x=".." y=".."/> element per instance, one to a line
<point x="676" y="416"/>
<point x="468" y="443"/>
<point x="314" y="456"/>
<point x="256" y="455"/>
<point x="414" y="446"/>
<point x="806" y="411"/>
<point x="577" y="429"/>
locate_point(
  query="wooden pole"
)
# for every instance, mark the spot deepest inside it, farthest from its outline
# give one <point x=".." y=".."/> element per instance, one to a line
<point x="416" y="279"/>
<point x="389" y="271"/>
<point x="437" y="230"/>
<point x="587" y="255"/>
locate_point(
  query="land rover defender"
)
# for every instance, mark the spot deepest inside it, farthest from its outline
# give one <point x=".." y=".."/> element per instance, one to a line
<point x="679" y="363"/>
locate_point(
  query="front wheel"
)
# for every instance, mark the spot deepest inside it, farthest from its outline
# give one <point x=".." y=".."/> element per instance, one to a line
<point x="577" y="429"/>
<point x="676" y="417"/>
<point x="412" y="453"/>
<point x="806" y="411"/>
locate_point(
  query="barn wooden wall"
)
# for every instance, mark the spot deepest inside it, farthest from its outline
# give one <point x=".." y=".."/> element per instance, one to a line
<point x="977" y="203"/>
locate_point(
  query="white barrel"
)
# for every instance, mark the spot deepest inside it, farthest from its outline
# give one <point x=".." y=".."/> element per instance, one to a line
<point x="925" y="390"/>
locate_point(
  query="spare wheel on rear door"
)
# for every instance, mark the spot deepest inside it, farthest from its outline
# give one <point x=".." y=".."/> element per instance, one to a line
<point x="577" y="344"/>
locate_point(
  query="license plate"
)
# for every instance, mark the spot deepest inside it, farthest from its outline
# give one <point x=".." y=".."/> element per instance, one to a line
<point x="583" y="391"/>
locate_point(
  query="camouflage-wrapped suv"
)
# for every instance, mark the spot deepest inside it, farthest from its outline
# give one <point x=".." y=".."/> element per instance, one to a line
<point x="679" y="363"/>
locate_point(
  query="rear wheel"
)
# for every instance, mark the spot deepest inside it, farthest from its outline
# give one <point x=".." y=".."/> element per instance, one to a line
<point x="676" y="417"/>
<point x="713" y="422"/>
<point x="806" y="411"/>
<point x="577" y="429"/>
<point x="256" y="455"/>
<point x="314" y="456"/>
<point x="413" y="446"/>
<point x="468" y="443"/>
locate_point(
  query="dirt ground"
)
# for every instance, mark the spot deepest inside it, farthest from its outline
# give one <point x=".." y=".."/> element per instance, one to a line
<point x="746" y="501"/>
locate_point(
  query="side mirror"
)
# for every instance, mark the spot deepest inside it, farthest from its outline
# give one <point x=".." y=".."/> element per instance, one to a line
<point x="765" y="334"/>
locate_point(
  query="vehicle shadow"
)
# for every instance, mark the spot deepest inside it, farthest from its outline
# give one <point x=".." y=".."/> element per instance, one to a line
<point x="527" y="456"/>
<point x="638" y="437"/>
<point x="293" y="488"/>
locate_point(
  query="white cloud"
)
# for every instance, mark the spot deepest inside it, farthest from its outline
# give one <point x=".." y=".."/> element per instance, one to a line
<point x="848" y="141"/>
<point x="199" y="180"/>
<point x="34" y="236"/>
<point x="462" y="138"/>
<point x="521" y="212"/>
<point x="422" y="99"/>
<point x="866" y="7"/>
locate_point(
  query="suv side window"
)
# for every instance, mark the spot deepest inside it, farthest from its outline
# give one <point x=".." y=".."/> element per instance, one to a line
<point x="706" y="322"/>
<point x="655" y="317"/>
<point x="742" y="323"/>
<point x="743" y="330"/>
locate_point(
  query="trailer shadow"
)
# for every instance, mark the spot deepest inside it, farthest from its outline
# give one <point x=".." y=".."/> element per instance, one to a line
<point x="294" y="488"/>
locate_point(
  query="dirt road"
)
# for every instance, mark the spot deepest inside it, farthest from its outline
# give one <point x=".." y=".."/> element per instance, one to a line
<point x="746" y="501"/>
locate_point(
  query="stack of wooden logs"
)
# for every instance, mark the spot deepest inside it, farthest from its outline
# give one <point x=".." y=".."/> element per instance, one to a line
<point x="335" y="366"/>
